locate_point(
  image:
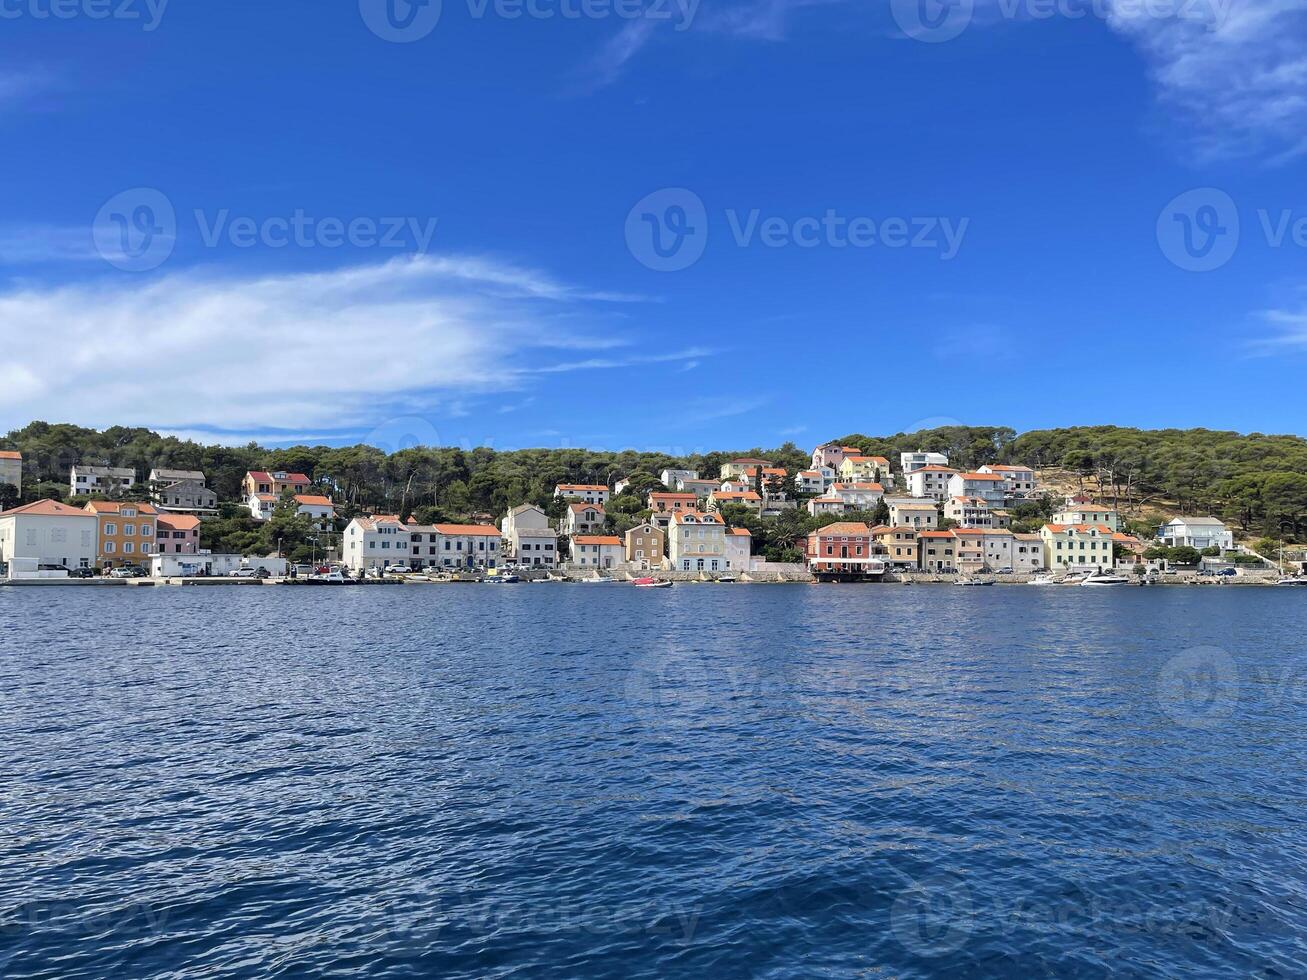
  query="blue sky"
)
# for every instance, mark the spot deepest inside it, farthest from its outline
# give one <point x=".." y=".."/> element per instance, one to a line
<point x="1094" y="216"/>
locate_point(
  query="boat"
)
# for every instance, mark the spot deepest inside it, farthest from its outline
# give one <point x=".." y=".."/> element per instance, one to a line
<point x="728" y="579"/>
<point x="502" y="578"/>
<point x="1103" y="578"/>
<point x="974" y="581"/>
<point x="1293" y="580"/>
<point x="651" y="583"/>
<point x="1042" y="580"/>
<point x="333" y="577"/>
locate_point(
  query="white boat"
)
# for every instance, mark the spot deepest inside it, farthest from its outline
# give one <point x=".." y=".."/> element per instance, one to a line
<point x="1102" y="578"/>
<point x="1293" y="580"/>
<point x="1042" y="580"/>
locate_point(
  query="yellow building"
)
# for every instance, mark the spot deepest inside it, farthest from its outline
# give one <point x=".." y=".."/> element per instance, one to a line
<point x="864" y="469"/>
<point x="1081" y="546"/>
<point x="898" y="544"/>
<point x="127" y="535"/>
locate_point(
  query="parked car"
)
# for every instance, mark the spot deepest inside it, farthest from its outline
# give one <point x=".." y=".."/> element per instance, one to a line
<point x="1228" y="571"/>
<point x="399" y="570"/>
<point x="82" y="573"/>
<point x="128" y="571"/>
<point x="259" y="572"/>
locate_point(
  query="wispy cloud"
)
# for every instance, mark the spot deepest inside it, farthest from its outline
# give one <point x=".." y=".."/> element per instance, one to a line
<point x="1290" y="333"/>
<point x="757" y="20"/>
<point x="18" y="85"/>
<point x="1235" y="69"/>
<point x="307" y="353"/>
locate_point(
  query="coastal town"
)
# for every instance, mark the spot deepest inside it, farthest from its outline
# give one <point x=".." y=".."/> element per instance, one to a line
<point x="912" y="519"/>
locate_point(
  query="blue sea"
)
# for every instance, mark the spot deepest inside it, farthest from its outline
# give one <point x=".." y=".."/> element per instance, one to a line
<point x="706" y="781"/>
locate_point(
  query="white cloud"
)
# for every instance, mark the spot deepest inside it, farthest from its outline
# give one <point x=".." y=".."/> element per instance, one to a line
<point x="306" y="352"/>
<point x="1290" y="335"/>
<point x="1236" y="70"/>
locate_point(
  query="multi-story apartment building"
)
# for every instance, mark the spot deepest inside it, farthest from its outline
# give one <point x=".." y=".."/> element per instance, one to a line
<point x="931" y="481"/>
<point x="84" y="480"/>
<point x="646" y="545"/>
<point x="126" y="532"/>
<point x="697" y="542"/>
<point x="911" y="462"/>
<point x="47" y="533"/>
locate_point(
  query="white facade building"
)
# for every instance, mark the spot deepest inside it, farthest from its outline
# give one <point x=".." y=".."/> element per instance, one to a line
<point x="739" y="549"/>
<point x="930" y="481"/>
<point x="83" y="480"/>
<point x="697" y="543"/>
<point x="597" y="551"/>
<point x="670" y="478"/>
<point x="1196" y="532"/>
<point x="375" y="542"/>
<point x="49" y="533"/>
<point x="911" y="462"/>
<point x="1018" y="481"/>
<point x="590" y="493"/>
<point x="468" y="547"/>
<point x="990" y="487"/>
<point x="920" y="514"/>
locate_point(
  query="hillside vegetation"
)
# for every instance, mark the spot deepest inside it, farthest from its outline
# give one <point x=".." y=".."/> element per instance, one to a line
<point x="1257" y="482"/>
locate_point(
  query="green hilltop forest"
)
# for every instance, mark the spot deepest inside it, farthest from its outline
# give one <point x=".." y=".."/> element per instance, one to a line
<point x="1256" y="482"/>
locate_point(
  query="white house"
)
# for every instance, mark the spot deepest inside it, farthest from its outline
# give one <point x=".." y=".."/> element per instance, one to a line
<point x="85" y="480"/>
<point x="589" y="493"/>
<point x="375" y="542"/>
<point x="1196" y="532"/>
<point x="697" y="543"/>
<point x="670" y="478"/>
<point x="597" y="550"/>
<point x="528" y="538"/>
<point x="990" y="487"/>
<point x="911" y="462"/>
<point x="700" y="488"/>
<point x="825" y="505"/>
<point x="535" y="547"/>
<point x="261" y="505"/>
<point x="739" y="548"/>
<point x="931" y="481"/>
<point x="811" y="481"/>
<point x="858" y="496"/>
<point x="969" y="511"/>
<point x="454" y="546"/>
<point x="583" y="519"/>
<point x="317" y="508"/>
<point x="48" y="533"/>
<point x="831" y="455"/>
<point x="1018" y="481"/>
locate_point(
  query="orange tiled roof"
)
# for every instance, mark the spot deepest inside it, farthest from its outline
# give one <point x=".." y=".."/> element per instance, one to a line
<point x="313" y="500"/>
<point x="843" y="528"/>
<point x="584" y="506"/>
<point x="580" y="486"/>
<point x="10" y="454"/>
<point x="596" y="539"/>
<point x="116" y="506"/>
<point x="178" y="522"/>
<point x="484" y="530"/>
<point x="47" y="508"/>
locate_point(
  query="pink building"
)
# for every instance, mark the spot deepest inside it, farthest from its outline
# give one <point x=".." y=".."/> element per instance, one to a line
<point x="177" y="534"/>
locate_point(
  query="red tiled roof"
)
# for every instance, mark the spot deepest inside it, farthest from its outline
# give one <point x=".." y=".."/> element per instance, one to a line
<point x="596" y="539"/>
<point x="313" y="500"/>
<point x="10" y="454"/>
<point x="584" y="506"/>
<point x="843" y="528"/>
<point x="580" y="486"/>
